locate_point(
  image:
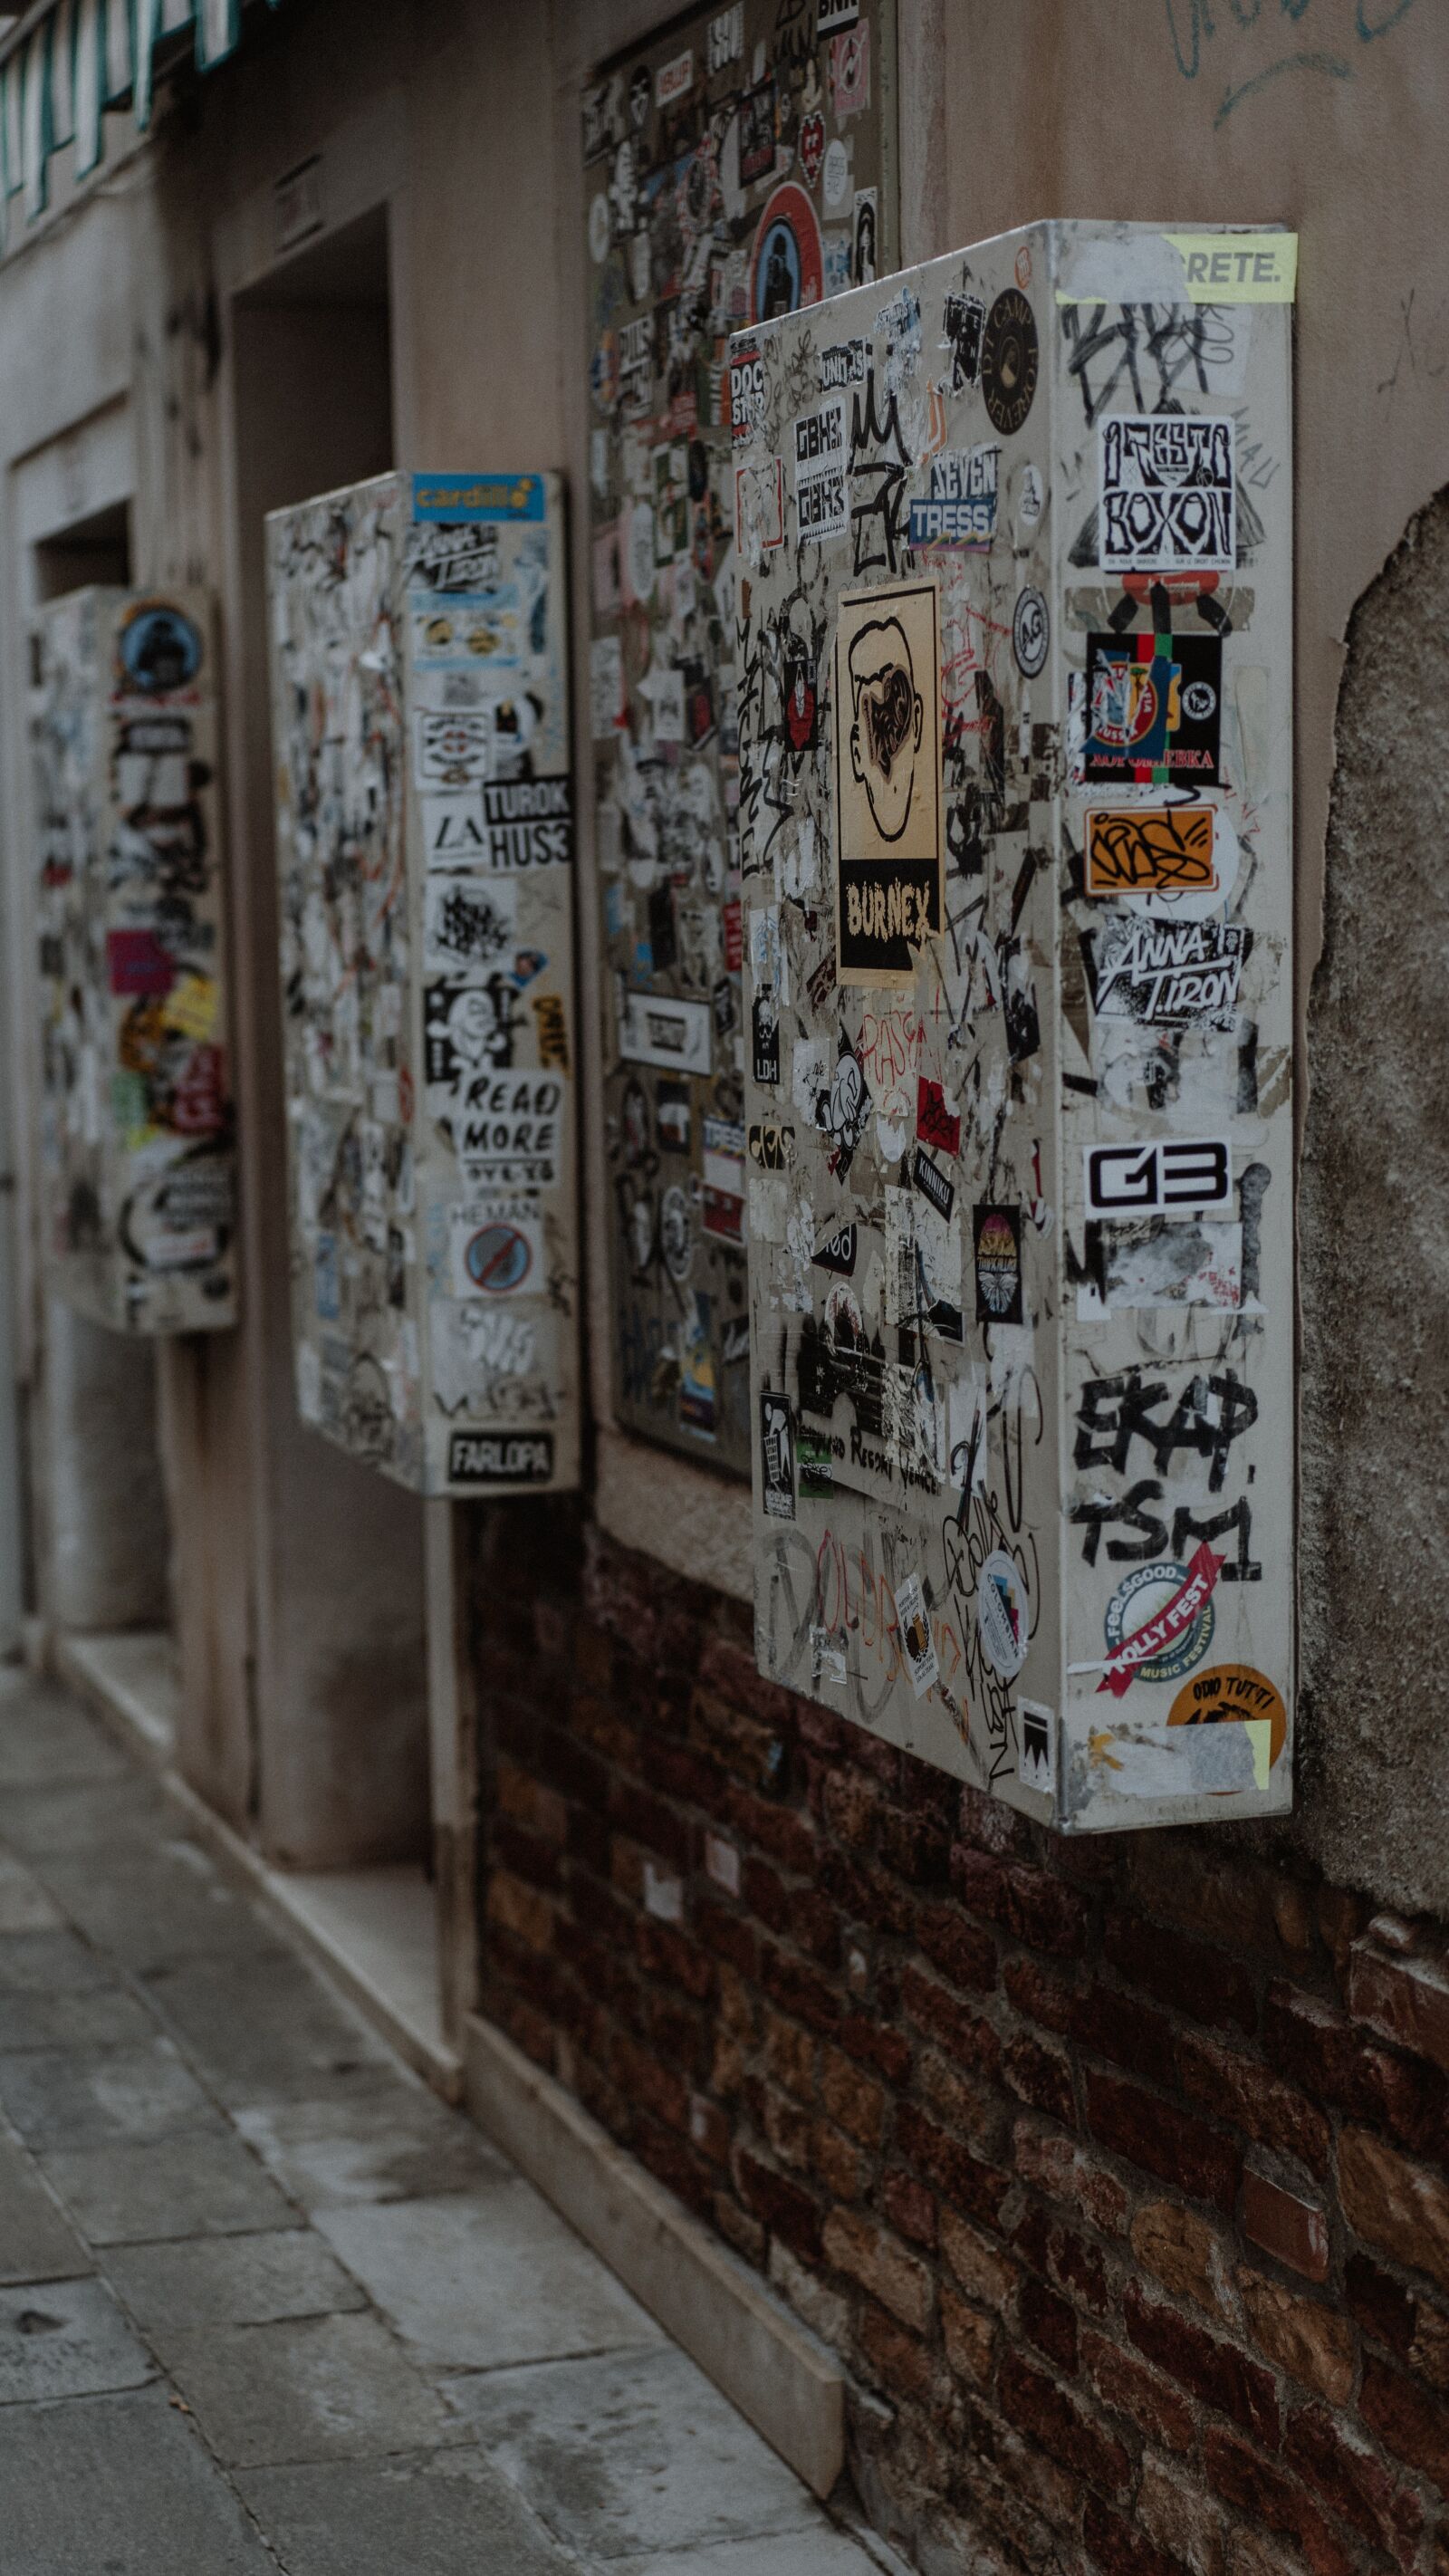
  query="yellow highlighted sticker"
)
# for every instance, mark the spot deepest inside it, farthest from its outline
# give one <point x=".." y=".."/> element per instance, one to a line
<point x="1238" y="268"/>
<point x="191" y="1006"/>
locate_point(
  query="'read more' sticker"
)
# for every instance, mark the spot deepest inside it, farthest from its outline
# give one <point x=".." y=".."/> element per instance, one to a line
<point x="1003" y="1614"/>
<point x="913" y="1626"/>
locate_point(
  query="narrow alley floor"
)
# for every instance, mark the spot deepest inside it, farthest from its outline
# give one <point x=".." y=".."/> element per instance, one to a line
<point x="264" y="2300"/>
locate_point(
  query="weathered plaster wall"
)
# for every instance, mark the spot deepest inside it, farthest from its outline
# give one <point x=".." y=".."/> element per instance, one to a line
<point x="1375" y="1251"/>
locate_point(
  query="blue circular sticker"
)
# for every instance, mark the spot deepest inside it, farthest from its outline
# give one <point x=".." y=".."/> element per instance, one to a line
<point x="498" y="1259"/>
<point x="159" y="648"/>
<point x="1140" y="1598"/>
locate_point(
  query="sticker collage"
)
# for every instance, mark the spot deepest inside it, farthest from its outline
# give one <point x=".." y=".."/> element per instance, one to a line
<point x="136" y="1140"/>
<point x="1017" y="905"/>
<point x="425" y="842"/>
<point x="741" y="166"/>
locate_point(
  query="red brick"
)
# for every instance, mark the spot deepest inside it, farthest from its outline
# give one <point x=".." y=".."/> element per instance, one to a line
<point x="908" y="2205"/>
<point x="1072" y="2174"/>
<point x="898" y="2360"/>
<point x="1350" y="2479"/>
<point x="970" y="2039"/>
<point x="1285" y="2224"/>
<point x="864" y="1895"/>
<point x="1049" y="2323"/>
<point x="852" y="2098"/>
<point x="1404" y="1999"/>
<point x="859" y="2246"/>
<point x="914" y="1847"/>
<point x="1039" y="1910"/>
<point x="1118" y="2548"/>
<point x="958" y="1947"/>
<point x="730" y="1669"/>
<point x="1260" y="2490"/>
<point x="886" y="2050"/>
<point x="764" y="1892"/>
<point x="781" y="2205"/>
<point x="1215" y="2372"/>
<point x="1038" y="2408"/>
<point x="1181" y="1973"/>
<point x="1040" y="2076"/>
<point x="1321" y="2049"/>
<point x="776" y="1830"/>
<point x="1380" y="2304"/>
<point x="642" y="2079"/>
<point x="836" y="2163"/>
<point x="990" y="1826"/>
<point x="969" y="2338"/>
<point x="1244" y="2090"/>
<point x="798" y="1990"/>
<point x="962" y="2179"/>
<point x="1408" y="2421"/>
<point x="979" y="2266"/>
<point x="1401" y="2207"/>
<point x="1122" y="2029"/>
<point x="1162" y="2140"/>
<point x="1127" y="2386"/>
<point x="1037" y="1993"/>
<point x="729" y="1936"/>
<point x="813" y="1926"/>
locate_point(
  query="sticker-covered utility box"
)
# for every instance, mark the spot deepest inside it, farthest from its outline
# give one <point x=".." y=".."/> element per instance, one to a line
<point x="425" y="844"/>
<point x="1018" y="905"/>
<point x="136" y="1132"/>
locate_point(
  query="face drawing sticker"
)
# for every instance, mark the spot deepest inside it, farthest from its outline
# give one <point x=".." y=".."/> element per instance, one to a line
<point x="887" y="716"/>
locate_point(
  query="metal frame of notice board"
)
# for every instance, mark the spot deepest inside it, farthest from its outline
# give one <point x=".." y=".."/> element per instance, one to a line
<point x="1017" y="935"/>
<point x="425" y="849"/>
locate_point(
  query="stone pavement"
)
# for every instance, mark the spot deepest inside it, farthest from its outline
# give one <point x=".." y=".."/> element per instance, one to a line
<point x="264" y="2300"/>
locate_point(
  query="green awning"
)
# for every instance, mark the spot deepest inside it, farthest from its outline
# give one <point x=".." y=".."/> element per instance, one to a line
<point x="65" y="64"/>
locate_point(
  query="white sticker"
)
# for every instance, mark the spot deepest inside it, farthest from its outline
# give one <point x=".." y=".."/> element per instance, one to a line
<point x="1168" y="498"/>
<point x="656" y="1029"/>
<point x="822" y="492"/>
<point x="1036" y="1746"/>
<point x="1003" y="1614"/>
<point x="1172" y="1176"/>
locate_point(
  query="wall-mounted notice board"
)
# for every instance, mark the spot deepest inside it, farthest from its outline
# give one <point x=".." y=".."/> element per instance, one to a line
<point x="136" y="1130"/>
<point x="425" y="846"/>
<point x="1017" y="914"/>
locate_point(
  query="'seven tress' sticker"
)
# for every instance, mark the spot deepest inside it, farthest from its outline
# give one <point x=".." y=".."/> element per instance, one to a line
<point x="887" y="780"/>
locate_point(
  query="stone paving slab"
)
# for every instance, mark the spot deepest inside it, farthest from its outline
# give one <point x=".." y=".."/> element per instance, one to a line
<point x="479" y="2283"/>
<point x="65" y="2339"/>
<point x="322" y="2388"/>
<point x="99" y="2017"/>
<point x="82" y="2097"/>
<point x="631" y="2453"/>
<point x="187" y="2186"/>
<point x="36" y="2241"/>
<point x="262" y="2030"/>
<point x="446" y="2513"/>
<point x="230" y="2281"/>
<point x="389" y="2146"/>
<point x="24" y="1905"/>
<point x="286" y="2281"/>
<point x="121" y="2485"/>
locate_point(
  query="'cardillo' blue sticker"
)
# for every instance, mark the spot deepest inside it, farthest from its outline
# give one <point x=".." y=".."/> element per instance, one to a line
<point x="477" y="496"/>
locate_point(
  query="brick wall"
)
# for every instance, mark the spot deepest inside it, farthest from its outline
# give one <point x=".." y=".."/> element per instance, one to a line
<point x="1115" y="2171"/>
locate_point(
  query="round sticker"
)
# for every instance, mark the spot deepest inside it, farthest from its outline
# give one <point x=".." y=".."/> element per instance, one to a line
<point x="599" y="229"/>
<point x="1199" y="699"/>
<point x="1229" y="1692"/>
<point x="1009" y="361"/>
<point x="787" y="264"/>
<point x="498" y="1259"/>
<point x="1145" y="1591"/>
<point x="837" y="175"/>
<point x="676" y="1240"/>
<point x="1003" y="1614"/>
<point x="1030" y="633"/>
<point x="159" y="648"/>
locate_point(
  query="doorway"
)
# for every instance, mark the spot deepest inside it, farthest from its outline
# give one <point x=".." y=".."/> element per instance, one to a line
<point x="330" y="1734"/>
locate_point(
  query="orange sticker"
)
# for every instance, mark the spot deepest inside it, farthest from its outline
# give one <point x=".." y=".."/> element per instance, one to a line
<point x="1151" y="849"/>
<point x="1232" y="1691"/>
